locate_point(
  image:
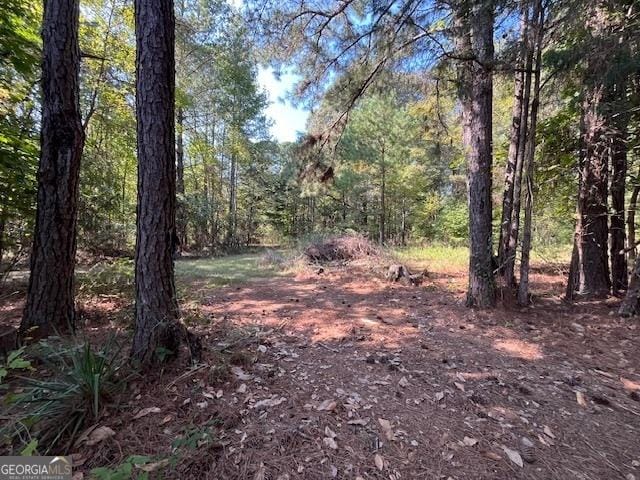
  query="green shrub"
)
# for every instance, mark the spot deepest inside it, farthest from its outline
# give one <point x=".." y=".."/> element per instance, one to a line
<point x="452" y="223"/>
<point x="110" y="277"/>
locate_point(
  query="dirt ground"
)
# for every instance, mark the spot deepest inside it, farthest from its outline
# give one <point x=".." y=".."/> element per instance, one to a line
<point x="343" y="375"/>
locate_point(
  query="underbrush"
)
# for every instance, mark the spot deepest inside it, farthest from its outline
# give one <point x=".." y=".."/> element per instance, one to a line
<point x="75" y="385"/>
<point x="108" y="277"/>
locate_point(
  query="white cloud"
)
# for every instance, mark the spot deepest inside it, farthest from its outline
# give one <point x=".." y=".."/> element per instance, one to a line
<point x="288" y="120"/>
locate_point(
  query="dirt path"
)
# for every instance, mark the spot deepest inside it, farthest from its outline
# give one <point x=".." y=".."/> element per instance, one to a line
<point x="350" y="377"/>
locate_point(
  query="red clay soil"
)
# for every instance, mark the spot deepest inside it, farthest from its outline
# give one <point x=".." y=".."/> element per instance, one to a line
<point x="342" y="375"/>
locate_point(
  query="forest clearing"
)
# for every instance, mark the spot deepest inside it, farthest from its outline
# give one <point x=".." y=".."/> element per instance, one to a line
<point x="319" y="239"/>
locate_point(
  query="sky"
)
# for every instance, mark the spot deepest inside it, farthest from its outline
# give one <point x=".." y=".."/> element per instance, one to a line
<point x="287" y="120"/>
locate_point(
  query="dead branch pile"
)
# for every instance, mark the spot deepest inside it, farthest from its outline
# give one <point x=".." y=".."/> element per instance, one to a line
<point x="341" y="248"/>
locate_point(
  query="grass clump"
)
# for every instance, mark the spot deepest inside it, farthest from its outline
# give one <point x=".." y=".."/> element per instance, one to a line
<point x="78" y="384"/>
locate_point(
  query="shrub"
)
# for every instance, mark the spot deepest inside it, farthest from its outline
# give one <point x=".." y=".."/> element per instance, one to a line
<point x="109" y="277"/>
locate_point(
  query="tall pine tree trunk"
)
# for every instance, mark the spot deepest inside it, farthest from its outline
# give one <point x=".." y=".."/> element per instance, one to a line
<point x="474" y="44"/>
<point x="50" y="296"/>
<point x="156" y="310"/>
<point x="592" y="229"/>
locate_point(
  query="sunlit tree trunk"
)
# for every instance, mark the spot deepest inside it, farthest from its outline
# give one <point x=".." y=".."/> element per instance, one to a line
<point x="513" y="167"/>
<point x="156" y="309"/>
<point x="474" y="45"/>
<point x="50" y="295"/>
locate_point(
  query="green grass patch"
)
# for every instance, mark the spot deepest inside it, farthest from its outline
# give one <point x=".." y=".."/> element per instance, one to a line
<point x="223" y="271"/>
<point x="436" y="257"/>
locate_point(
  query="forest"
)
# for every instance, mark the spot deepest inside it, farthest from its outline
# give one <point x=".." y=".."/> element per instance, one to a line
<point x="315" y="239"/>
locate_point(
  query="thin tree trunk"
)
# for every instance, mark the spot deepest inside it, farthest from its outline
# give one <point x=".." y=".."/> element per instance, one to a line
<point x="523" y="286"/>
<point x="476" y="96"/>
<point x="231" y="228"/>
<point x="631" y="220"/>
<point x="381" y="236"/>
<point x="181" y="222"/>
<point x="630" y="305"/>
<point x="50" y="296"/>
<point x="3" y="224"/>
<point x="523" y="134"/>
<point x="617" y="233"/>
<point x="156" y="332"/>
<point x="516" y="127"/>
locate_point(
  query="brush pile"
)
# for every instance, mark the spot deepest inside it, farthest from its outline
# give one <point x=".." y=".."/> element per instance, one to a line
<point x="341" y="248"/>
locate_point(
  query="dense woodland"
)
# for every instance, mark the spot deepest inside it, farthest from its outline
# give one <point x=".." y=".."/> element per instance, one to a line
<point x="138" y="129"/>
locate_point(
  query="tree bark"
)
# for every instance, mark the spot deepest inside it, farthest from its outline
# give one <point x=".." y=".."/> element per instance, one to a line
<point x="383" y="187"/>
<point x="514" y="163"/>
<point x="50" y="295"/>
<point x="181" y="220"/>
<point x="474" y="44"/>
<point x="233" y="203"/>
<point x="156" y="333"/>
<point x="617" y="230"/>
<point x="631" y="220"/>
<point x="592" y="228"/>
<point x="529" y="156"/>
<point x="630" y="304"/>
<point x="3" y="224"/>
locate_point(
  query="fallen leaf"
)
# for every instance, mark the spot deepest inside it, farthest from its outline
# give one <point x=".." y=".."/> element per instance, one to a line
<point x="330" y="442"/>
<point x="327" y="406"/>
<point x="582" y="401"/>
<point x="386" y="428"/>
<point x="548" y="432"/>
<point x="242" y="388"/>
<point x="403" y="382"/>
<point x="329" y="433"/>
<point x="459" y="386"/>
<point x="378" y="461"/>
<point x="514" y="456"/>
<point x="469" y="441"/>
<point x="240" y="373"/>
<point x="439" y="396"/>
<point x="99" y="434"/>
<point x="492" y="455"/>
<point x="166" y="419"/>
<point x="360" y="421"/>
<point x="146" y="411"/>
<point x="152" y="467"/>
<point x="269" y="402"/>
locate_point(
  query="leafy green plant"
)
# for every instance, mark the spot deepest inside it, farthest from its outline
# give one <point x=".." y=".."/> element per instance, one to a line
<point x="82" y="382"/>
<point x="15" y="361"/>
<point x="124" y="471"/>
